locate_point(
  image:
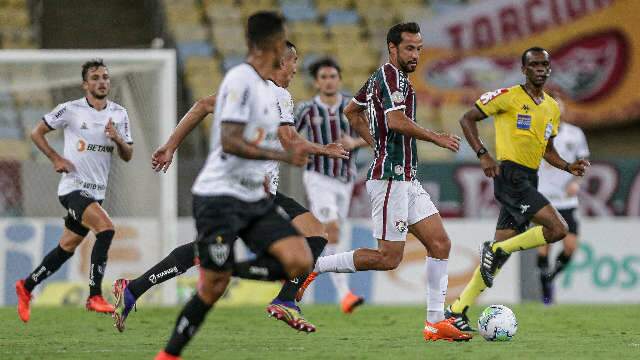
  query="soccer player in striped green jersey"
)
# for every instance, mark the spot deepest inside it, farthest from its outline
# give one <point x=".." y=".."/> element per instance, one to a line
<point x="383" y="113"/>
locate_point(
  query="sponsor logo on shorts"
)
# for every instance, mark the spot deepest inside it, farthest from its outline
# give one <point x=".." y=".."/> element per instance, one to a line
<point x="524" y="208"/>
<point x="401" y="226"/>
<point x="155" y="277"/>
<point x="84" y="193"/>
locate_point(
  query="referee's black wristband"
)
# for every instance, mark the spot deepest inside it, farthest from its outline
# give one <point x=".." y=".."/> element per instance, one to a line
<point x="481" y="152"/>
<point x="566" y="168"/>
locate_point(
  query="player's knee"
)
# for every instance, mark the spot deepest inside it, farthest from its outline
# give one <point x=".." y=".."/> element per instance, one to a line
<point x="104" y="225"/>
<point x="441" y="247"/>
<point x="69" y="244"/>
<point x="391" y="261"/>
<point x="211" y="291"/>
<point x="570" y="248"/>
<point x="298" y="264"/>
<point x="558" y="232"/>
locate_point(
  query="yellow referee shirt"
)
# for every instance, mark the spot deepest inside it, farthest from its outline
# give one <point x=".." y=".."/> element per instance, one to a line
<point x="522" y="126"/>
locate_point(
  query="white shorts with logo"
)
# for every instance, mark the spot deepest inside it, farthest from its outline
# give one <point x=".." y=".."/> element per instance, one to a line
<point x="397" y="204"/>
<point x="329" y="198"/>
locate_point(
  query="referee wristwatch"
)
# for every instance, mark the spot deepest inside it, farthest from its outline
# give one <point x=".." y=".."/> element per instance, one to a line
<point x="481" y="151"/>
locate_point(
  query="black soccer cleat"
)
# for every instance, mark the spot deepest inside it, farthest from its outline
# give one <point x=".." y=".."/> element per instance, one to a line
<point x="460" y="320"/>
<point x="546" y="282"/>
<point x="490" y="262"/>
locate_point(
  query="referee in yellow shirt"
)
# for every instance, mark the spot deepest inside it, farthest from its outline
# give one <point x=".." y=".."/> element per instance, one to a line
<point x="526" y="121"/>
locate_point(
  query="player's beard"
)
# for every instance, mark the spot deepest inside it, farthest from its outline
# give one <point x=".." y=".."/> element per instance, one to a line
<point x="99" y="96"/>
<point x="405" y="66"/>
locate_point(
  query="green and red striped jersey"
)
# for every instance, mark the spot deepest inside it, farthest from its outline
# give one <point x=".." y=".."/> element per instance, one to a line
<point x="395" y="155"/>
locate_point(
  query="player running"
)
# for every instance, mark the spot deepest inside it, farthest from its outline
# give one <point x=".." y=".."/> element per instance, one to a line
<point x="329" y="182"/>
<point x="93" y="126"/>
<point x="526" y="121"/>
<point x="181" y="259"/>
<point x="383" y="113"/>
<point x="561" y="188"/>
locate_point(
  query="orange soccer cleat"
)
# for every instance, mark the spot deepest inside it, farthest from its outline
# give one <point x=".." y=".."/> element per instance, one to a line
<point x="24" y="300"/>
<point x="350" y="302"/>
<point x="305" y="284"/>
<point x="98" y="304"/>
<point x="162" y="355"/>
<point x="444" y="330"/>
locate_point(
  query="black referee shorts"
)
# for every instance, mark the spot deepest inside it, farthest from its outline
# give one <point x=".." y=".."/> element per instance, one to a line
<point x="289" y="205"/>
<point x="516" y="189"/>
<point x="220" y="220"/>
<point x="76" y="202"/>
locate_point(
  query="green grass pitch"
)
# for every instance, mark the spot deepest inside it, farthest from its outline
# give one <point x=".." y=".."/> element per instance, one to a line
<point x="373" y="332"/>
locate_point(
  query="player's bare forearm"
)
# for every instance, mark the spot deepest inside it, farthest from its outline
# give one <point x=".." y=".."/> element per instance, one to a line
<point x="400" y="123"/>
<point x="469" y="125"/>
<point x="553" y="158"/>
<point x="233" y="142"/>
<point x="125" y="151"/>
<point x="190" y="120"/>
<point x="359" y="122"/>
<point x="38" y="138"/>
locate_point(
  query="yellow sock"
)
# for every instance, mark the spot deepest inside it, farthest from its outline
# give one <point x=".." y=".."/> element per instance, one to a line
<point x="470" y="293"/>
<point x="529" y="239"/>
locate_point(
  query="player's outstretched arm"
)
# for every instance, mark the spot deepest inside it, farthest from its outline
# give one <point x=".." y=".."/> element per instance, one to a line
<point x="163" y="156"/>
<point x="60" y="164"/>
<point x="400" y="123"/>
<point x="358" y="120"/>
<point x="576" y="168"/>
<point x="469" y="125"/>
<point x="233" y="142"/>
<point x="289" y="137"/>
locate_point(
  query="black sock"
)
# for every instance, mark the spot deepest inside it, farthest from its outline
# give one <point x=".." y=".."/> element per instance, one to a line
<point x="561" y="263"/>
<point x="99" y="261"/>
<point x="188" y="322"/>
<point x="543" y="263"/>
<point x="290" y="288"/>
<point x="50" y="264"/>
<point x="265" y="268"/>
<point x="177" y="262"/>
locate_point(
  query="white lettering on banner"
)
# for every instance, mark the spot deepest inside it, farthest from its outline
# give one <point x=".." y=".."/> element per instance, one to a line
<point x="498" y="21"/>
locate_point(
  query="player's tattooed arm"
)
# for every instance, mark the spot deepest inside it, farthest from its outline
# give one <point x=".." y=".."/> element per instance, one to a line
<point x="400" y="123"/>
<point x="469" y="125"/>
<point x="577" y="168"/>
<point x="163" y="156"/>
<point x="233" y="142"/>
<point x="289" y="136"/>
<point x="60" y="164"/>
<point x="125" y="150"/>
<point x="358" y="120"/>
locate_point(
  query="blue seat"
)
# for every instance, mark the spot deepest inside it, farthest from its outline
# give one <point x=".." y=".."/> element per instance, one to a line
<point x="341" y="17"/>
<point x="299" y="12"/>
<point x="194" y="48"/>
<point x="231" y="61"/>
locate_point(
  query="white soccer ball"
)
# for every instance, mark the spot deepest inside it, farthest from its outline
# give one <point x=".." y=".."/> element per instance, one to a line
<point x="497" y="323"/>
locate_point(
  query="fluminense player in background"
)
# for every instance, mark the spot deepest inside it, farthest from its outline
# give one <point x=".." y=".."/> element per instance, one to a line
<point x="93" y="128"/>
<point x="283" y="307"/>
<point x="329" y="181"/>
<point x="561" y="188"/>
<point x="526" y="123"/>
<point x="383" y="113"/>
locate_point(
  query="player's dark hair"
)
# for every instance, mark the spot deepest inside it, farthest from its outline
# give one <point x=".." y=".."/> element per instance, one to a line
<point x="262" y="27"/>
<point x="93" y="63"/>
<point x="531" y="49"/>
<point x="324" y="62"/>
<point x="394" y="36"/>
<point x="290" y="45"/>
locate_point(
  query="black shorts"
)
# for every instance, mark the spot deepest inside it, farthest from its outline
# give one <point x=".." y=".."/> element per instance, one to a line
<point x="290" y="206"/>
<point x="516" y="189"/>
<point x="76" y="202"/>
<point x="220" y="220"/>
<point x="570" y="217"/>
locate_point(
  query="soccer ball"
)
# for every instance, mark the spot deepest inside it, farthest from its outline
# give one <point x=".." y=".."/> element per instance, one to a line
<point x="497" y="323"/>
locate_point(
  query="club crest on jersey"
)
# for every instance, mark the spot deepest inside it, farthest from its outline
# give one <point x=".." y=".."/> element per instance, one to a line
<point x="398" y="169"/>
<point x="524" y="122"/>
<point x="401" y="226"/>
<point x="81" y="146"/>
<point x="219" y="252"/>
<point x="397" y="97"/>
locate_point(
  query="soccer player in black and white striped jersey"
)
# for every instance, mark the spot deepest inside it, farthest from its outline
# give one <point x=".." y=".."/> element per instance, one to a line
<point x="329" y="181"/>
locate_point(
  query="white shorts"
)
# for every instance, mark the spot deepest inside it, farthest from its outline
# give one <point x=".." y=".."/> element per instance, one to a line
<point x="329" y="198"/>
<point x="395" y="205"/>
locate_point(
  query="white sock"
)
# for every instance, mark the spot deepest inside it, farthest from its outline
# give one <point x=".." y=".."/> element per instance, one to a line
<point x="340" y="281"/>
<point x="437" y="282"/>
<point x="341" y="263"/>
